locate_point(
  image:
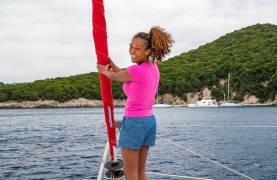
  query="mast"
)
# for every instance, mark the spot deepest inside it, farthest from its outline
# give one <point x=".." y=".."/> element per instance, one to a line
<point x="157" y="100"/>
<point x="228" y="87"/>
<point x="99" y="32"/>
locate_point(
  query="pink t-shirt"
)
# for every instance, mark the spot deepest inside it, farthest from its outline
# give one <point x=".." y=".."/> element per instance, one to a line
<point x="141" y="90"/>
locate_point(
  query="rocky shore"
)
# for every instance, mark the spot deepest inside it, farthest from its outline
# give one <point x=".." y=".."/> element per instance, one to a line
<point x="74" y="103"/>
<point x="82" y="102"/>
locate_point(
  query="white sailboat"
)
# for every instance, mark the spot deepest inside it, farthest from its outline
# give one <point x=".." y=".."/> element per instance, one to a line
<point x="162" y="105"/>
<point x="229" y="103"/>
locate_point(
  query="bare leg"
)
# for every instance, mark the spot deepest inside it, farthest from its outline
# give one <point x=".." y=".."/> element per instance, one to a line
<point x="142" y="163"/>
<point x="130" y="159"/>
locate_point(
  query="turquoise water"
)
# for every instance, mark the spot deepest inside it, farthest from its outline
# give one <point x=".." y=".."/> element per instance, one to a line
<point x="63" y="143"/>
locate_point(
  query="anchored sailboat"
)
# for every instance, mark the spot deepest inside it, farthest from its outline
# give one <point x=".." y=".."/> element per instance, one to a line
<point x="229" y="103"/>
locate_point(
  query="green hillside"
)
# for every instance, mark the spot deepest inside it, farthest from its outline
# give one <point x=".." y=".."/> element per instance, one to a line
<point x="249" y="54"/>
<point x="59" y="89"/>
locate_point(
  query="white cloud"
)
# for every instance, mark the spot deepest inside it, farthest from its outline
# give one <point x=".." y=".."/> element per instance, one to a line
<point x="44" y="39"/>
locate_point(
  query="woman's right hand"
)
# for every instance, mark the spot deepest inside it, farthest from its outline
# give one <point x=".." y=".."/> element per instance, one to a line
<point x="102" y="68"/>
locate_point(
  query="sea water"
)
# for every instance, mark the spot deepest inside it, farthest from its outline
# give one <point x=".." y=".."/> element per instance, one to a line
<point x="69" y="143"/>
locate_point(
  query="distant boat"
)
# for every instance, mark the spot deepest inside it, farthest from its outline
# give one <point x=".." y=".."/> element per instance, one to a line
<point x="162" y="105"/>
<point x="229" y="103"/>
<point x="205" y="102"/>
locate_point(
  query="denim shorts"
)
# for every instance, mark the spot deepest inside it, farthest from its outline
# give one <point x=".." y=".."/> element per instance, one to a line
<point x="137" y="132"/>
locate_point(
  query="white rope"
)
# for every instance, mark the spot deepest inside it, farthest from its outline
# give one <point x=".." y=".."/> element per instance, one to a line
<point x="203" y="157"/>
<point x="47" y="150"/>
<point x="177" y="176"/>
<point x="234" y="126"/>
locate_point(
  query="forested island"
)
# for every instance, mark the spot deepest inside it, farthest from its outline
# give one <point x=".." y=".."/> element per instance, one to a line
<point x="248" y="54"/>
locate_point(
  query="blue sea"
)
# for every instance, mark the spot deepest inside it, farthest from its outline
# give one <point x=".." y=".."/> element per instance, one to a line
<point x="69" y="143"/>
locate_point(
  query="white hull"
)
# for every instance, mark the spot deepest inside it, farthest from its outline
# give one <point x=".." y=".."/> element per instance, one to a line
<point x="197" y="105"/>
<point x="230" y="105"/>
<point x="205" y="102"/>
<point x="162" y="105"/>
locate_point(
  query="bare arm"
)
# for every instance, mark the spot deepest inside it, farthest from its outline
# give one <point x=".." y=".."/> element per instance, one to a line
<point x="122" y="75"/>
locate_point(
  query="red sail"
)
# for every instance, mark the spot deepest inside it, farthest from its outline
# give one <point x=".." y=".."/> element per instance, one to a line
<point x="101" y="49"/>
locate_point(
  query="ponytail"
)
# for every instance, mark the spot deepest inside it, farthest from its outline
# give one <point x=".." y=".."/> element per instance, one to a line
<point x="161" y="43"/>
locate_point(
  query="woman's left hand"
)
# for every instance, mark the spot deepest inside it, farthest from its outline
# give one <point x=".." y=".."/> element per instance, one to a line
<point x="102" y="68"/>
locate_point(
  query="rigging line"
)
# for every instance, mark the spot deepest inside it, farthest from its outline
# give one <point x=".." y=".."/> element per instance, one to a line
<point x="234" y="126"/>
<point x="94" y="145"/>
<point x="203" y="157"/>
<point x="23" y="146"/>
<point x="177" y="176"/>
<point x="47" y="150"/>
<point x="174" y="154"/>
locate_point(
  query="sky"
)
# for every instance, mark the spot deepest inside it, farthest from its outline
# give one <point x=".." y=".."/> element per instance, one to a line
<point x="42" y="39"/>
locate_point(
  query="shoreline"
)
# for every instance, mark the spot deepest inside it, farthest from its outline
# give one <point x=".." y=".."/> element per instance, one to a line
<point x="86" y="103"/>
<point x="48" y="104"/>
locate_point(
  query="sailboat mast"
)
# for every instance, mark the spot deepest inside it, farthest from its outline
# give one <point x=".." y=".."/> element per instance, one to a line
<point x="157" y="100"/>
<point x="228" y="87"/>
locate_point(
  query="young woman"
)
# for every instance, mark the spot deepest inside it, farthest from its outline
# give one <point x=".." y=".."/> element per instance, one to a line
<point x="140" y="86"/>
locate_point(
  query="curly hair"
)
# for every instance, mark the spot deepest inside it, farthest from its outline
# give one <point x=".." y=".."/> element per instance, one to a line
<point x="159" y="41"/>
